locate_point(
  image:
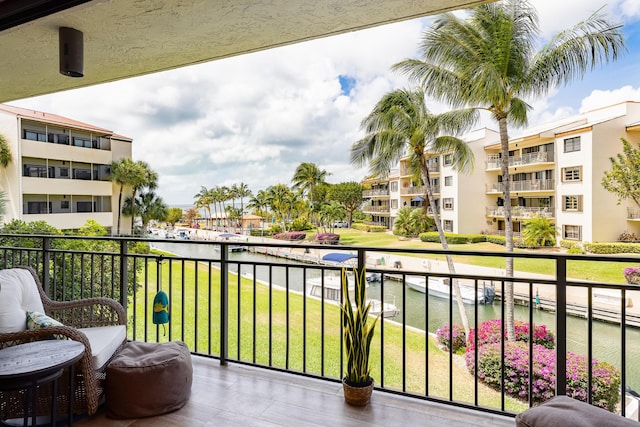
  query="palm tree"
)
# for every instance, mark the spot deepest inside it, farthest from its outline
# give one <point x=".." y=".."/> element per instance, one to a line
<point x="305" y="179"/>
<point x="488" y="61"/>
<point x="402" y="223"/>
<point x="242" y="191"/>
<point x="204" y="200"/>
<point x="259" y="202"/>
<point x="401" y="123"/>
<point x="123" y="173"/>
<point x="149" y="207"/>
<point x="5" y="152"/>
<point x="143" y="178"/>
<point x="539" y="231"/>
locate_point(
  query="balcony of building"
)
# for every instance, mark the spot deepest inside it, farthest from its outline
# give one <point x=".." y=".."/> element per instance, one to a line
<point x="494" y="161"/>
<point x="375" y="208"/>
<point x="633" y="214"/>
<point x="434" y="167"/>
<point x="375" y="192"/>
<point x="521" y="212"/>
<point x="532" y="185"/>
<point x="265" y="350"/>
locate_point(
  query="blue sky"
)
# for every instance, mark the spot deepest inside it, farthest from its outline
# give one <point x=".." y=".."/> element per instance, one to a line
<point x="254" y="118"/>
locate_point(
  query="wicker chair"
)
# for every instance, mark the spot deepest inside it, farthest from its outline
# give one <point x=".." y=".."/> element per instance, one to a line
<point x="88" y="384"/>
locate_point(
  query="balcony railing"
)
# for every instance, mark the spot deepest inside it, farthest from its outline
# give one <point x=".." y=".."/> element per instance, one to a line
<point x="521" y="212"/>
<point x="494" y="160"/>
<point x="433" y="168"/>
<point x="376" y="209"/>
<point x="418" y="190"/>
<point x="258" y="310"/>
<point x="633" y="213"/>
<point x="526" y="185"/>
<point x="376" y="192"/>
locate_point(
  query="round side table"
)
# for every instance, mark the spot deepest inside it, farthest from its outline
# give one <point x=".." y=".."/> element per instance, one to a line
<point x="30" y="365"/>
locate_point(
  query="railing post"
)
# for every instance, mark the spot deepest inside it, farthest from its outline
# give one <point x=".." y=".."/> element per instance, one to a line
<point x="124" y="274"/>
<point x="46" y="263"/>
<point x="561" y="326"/>
<point x="224" y="302"/>
<point x="361" y="260"/>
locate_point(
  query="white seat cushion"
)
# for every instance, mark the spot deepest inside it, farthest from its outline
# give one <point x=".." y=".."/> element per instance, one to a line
<point x="18" y="294"/>
<point x="104" y="341"/>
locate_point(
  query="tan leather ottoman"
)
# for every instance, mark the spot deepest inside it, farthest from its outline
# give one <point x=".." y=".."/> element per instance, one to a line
<point x="147" y="379"/>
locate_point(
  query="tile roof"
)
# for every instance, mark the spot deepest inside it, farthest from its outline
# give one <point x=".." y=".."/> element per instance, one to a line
<point x="51" y="118"/>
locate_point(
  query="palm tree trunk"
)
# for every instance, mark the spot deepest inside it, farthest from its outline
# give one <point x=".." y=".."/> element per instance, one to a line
<point x="119" y="208"/>
<point x="436" y="217"/>
<point x="508" y="226"/>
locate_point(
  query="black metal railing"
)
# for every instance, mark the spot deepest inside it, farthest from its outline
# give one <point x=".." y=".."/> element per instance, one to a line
<point x="274" y="311"/>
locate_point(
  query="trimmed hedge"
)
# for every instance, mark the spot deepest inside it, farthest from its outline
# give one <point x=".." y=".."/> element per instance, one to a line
<point x="498" y="240"/>
<point x="328" y="238"/>
<point x="612" y="248"/>
<point x="568" y="244"/>
<point x="452" y="238"/>
<point x="448" y="335"/>
<point x="368" y="227"/>
<point x="258" y="233"/>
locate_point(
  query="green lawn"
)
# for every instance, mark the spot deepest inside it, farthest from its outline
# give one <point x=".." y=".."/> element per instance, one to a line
<point x="199" y="299"/>
<point x="610" y="272"/>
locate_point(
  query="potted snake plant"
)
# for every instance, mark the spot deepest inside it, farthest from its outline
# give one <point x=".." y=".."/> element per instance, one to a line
<point x="357" y="333"/>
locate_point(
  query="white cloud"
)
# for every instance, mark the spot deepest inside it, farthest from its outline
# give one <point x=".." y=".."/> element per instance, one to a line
<point x="602" y="98"/>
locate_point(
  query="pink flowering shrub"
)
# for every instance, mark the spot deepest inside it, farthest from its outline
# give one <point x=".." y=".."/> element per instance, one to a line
<point x="632" y="275"/>
<point x="291" y="236"/>
<point x="453" y="336"/>
<point x="605" y="378"/>
<point x="489" y="332"/>
<point x="328" y="238"/>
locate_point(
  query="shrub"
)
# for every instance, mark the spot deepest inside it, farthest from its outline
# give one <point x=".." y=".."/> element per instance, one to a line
<point x="452" y="238"/>
<point x="377" y="228"/>
<point x="291" y="236"/>
<point x="369" y="228"/>
<point x="568" y="244"/>
<point x="328" y="238"/>
<point x="258" y="232"/>
<point x="612" y="248"/>
<point x="498" y="240"/>
<point x="605" y="378"/>
<point x="625" y="236"/>
<point x="489" y="333"/>
<point x="632" y="275"/>
<point x="575" y="251"/>
<point x="300" y="224"/>
<point x="476" y="238"/>
<point x="451" y="336"/>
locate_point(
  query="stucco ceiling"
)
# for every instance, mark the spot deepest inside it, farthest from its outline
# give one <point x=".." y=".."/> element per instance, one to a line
<point x="124" y="38"/>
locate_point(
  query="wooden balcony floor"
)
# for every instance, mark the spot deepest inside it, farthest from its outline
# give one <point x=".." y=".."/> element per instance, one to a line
<point x="236" y="395"/>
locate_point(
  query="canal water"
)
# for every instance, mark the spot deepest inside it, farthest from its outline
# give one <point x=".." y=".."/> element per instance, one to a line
<point x="415" y="311"/>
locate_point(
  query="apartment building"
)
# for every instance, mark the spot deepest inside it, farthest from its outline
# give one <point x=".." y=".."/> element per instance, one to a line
<point x="555" y="170"/>
<point x="60" y="172"/>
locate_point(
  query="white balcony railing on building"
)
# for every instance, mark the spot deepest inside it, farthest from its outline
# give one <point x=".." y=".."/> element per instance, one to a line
<point x="375" y="209"/>
<point x="375" y="192"/>
<point x="494" y="160"/>
<point x="418" y="190"/>
<point x="433" y="168"/>
<point x="522" y="212"/>
<point x="633" y="213"/>
<point x="526" y="185"/>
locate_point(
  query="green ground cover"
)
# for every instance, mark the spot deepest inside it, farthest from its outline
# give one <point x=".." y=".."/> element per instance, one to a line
<point x="195" y="319"/>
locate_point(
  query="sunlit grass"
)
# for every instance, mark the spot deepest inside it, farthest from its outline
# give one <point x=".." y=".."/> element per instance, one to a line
<point x="261" y="330"/>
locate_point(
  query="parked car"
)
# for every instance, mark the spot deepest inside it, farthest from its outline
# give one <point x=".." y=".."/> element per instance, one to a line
<point x="340" y="224"/>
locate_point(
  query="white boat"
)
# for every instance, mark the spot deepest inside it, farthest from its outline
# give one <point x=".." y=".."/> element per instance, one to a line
<point x="333" y="292"/>
<point x="439" y="287"/>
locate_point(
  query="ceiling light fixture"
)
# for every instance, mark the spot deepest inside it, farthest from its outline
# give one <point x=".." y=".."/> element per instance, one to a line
<point x="71" y="52"/>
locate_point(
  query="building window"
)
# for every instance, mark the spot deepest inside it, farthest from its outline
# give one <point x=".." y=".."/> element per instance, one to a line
<point x="572" y="144"/>
<point x="448" y="160"/>
<point x="572" y="174"/>
<point x="572" y="203"/>
<point x="64" y="204"/>
<point x="64" y="172"/>
<point x="572" y="232"/>
<point x="35" y="136"/>
<point x="394" y="204"/>
<point x="448" y="181"/>
<point x="394" y="186"/>
<point x="83" y="207"/>
<point x="447" y="225"/>
<point x="447" y="203"/>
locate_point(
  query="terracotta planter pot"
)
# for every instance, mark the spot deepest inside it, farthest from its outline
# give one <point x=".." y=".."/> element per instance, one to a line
<point x="357" y="396"/>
